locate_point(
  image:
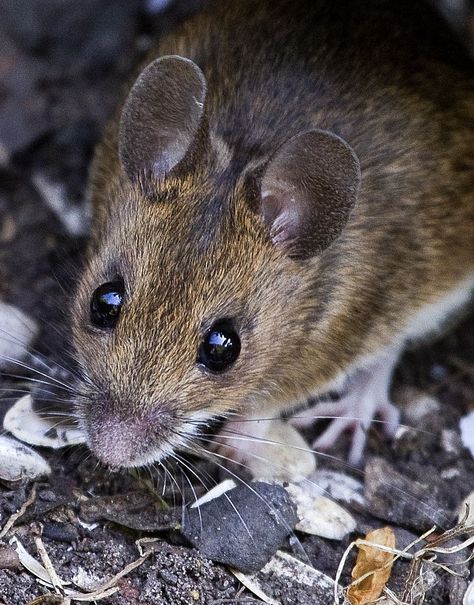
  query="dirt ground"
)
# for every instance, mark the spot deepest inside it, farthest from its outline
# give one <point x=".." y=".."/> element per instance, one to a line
<point x="61" y="73"/>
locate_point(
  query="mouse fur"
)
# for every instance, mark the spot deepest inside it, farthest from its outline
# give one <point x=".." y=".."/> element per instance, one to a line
<point x="305" y="169"/>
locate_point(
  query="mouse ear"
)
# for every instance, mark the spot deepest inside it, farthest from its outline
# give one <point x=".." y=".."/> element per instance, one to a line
<point x="308" y="191"/>
<point x="162" y="117"/>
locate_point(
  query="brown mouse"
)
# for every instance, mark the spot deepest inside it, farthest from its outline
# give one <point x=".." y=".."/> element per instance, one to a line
<point x="284" y="199"/>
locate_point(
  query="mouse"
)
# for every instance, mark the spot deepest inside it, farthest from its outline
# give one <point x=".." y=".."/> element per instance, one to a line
<point x="283" y="200"/>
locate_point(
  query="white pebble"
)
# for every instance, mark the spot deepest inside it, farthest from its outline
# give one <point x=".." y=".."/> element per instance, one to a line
<point x="451" y="442"/>
<point x="469" y="595"/>
<point x="315" y="584"/>
<point x="18" y="462"/>
<point x="336" y="485"/>
<point x="27" y="425"/>
<point x="418" y="405"/>
<point x="320" y="516"/>
<point x="75" y="219"/>
<point x="281" y="455"/>
<point x="466" y="425"/>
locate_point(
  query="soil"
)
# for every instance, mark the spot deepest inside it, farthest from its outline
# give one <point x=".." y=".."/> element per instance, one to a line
<point x="60" y="78"/>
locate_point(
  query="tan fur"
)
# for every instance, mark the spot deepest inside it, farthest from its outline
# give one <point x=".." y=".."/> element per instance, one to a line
<point x="409" y="118"/>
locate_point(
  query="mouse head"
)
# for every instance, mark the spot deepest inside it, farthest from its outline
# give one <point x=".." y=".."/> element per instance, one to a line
<point x="196" y="296"/>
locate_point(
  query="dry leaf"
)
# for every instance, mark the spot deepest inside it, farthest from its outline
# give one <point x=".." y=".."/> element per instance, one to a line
<point x="374" y="563"/>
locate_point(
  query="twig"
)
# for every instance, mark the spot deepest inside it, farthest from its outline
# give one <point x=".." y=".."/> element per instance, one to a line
<point x="109" y="587"/>
<point x="14" y="518"/>
<point x="55" y="580"/>
<point x="425" y="555"/>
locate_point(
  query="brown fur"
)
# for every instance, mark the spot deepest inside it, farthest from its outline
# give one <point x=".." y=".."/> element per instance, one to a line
<point x="386" y="77"/>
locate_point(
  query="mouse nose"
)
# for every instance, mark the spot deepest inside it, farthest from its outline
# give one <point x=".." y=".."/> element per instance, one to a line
<point x="125" y="442"/>
<point x="117" y="443"/>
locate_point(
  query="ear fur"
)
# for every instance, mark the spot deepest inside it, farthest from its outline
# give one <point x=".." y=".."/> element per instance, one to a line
<point x="162" y="117"/>
<point x="308" y="191"/>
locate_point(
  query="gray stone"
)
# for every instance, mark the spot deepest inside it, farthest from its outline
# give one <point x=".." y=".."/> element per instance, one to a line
<point x="244" y="527"/>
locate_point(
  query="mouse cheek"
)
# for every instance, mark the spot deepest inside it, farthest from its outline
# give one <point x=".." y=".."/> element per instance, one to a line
<point x="125" y="440"/>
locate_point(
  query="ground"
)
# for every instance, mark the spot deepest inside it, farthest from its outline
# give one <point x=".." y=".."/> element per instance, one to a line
<point x="61" y="73"/>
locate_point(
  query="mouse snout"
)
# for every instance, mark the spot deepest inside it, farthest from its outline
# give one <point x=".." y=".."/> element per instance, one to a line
<point x="127" y="440"/>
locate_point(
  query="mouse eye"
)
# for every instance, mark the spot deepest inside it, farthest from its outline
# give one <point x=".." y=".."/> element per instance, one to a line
<point x="220" y="347"/>
<point x="106" y="303"/>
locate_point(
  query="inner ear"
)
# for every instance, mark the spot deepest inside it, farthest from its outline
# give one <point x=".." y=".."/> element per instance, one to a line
<point x="162" y="118"/>
<point x="308" y="191"/>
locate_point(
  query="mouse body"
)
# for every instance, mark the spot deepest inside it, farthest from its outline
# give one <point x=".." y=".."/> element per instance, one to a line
<point x="284" y="198"/>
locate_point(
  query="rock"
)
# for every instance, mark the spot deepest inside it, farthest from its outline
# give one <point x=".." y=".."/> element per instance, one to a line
<point x="244" y="527"/>
<point x="18" y="462"/>
<point x="135" y="510"/>
<point x="469" y="595"/>
<point x="416" y="404"/>
<point x="8" y="558"/>
<point x="23" y="421"/>
<point x="60" y="532"/>
<point x="288" y="576"/>
<point x="320" y="516"/>
<point x="336" y="485"/>
<point x="396" y="498"/>
<point x="451" y="443"/>
<point x="466" y="425"/>
<point x="281" y="454"/>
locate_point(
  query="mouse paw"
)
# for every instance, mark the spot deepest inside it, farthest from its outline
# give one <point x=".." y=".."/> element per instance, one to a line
<point x="366" y="397"/>
<point x="270" y="449"/>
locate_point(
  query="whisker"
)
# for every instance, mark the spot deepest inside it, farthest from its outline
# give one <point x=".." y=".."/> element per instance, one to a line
<point x="35" y="353"/>
<point x="178" y="460"/>
<point x="31" y="369"/>
<point x="240" y="436"/>
<point x="259" y="496"/>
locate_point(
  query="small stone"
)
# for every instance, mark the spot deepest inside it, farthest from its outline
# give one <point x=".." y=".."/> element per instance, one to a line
<point x="466" y="425"/>
<point x="450" y="473"/>
<point x="168" y="577"/>
<point x="396" y="498"/>
<point x="281" y="455"/>
<point x="136" y="510"/>
<point x="18" y="462"/>
<point x="451" y="442"/>
<point x="469" y="595"/>
<point x="86" y="580"/>
<point x="8" y="558"/>
<point x="336" y="485"/>
<point x="320" y="516"/>
<point x="60" y="532"/>
<point x="417" y="405"/>
<point x="244" y="527"/>
<point x="285" y="571"/>
<point x="24" y="422"/>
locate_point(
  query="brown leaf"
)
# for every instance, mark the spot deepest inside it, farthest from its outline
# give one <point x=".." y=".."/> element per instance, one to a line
<point x="372" y="559"/>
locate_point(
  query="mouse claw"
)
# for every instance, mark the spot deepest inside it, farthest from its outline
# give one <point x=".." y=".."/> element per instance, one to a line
<point x="356" y="415"/>
<point x="367" y="397"/>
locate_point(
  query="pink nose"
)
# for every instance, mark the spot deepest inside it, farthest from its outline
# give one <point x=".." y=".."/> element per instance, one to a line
<point x="119" y="443"/>
<point x="116" y="443"/>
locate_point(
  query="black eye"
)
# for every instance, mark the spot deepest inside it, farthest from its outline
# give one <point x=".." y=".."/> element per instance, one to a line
<point x="106" y="303"/>
<point x="220" y="347"/>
